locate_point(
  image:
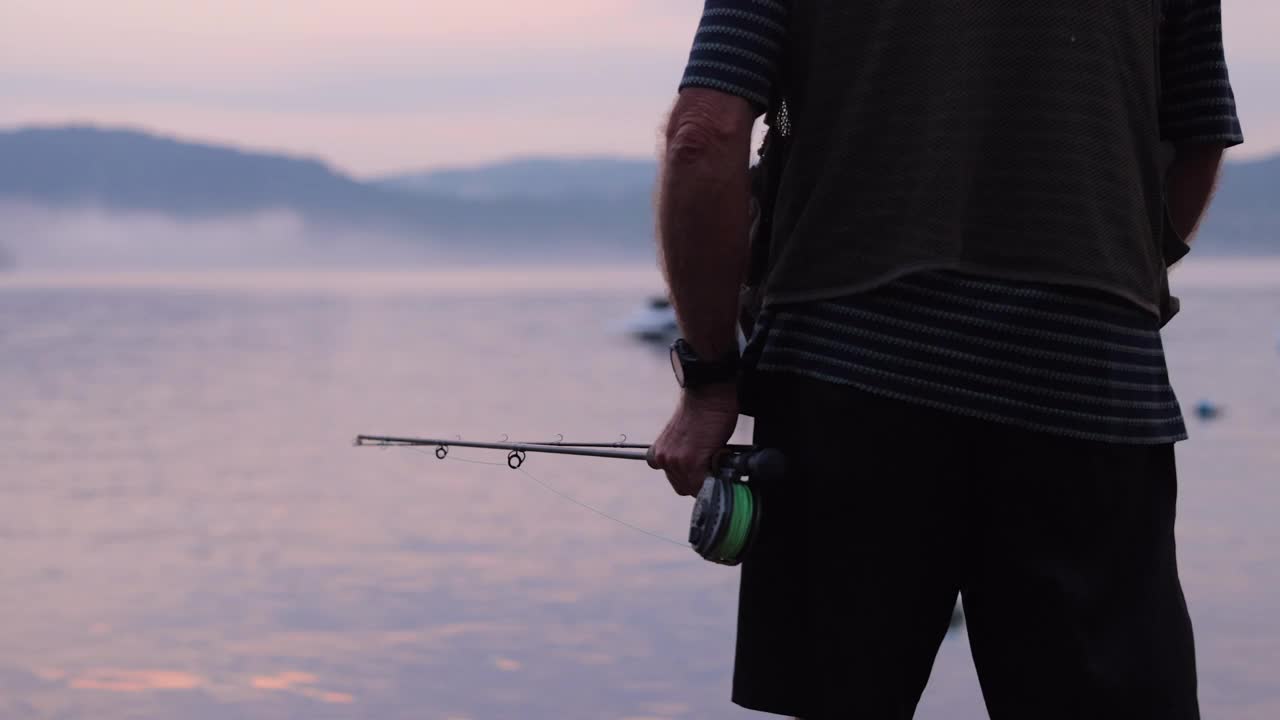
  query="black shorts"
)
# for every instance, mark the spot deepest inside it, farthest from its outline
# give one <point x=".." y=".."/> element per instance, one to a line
<point x="1063" y="552"/>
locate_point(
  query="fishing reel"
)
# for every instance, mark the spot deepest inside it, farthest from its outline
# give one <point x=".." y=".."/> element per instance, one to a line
<point x="727" y="511"/>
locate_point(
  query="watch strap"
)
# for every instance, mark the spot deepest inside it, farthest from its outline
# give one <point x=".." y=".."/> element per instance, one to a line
<point x="699" y="372"/>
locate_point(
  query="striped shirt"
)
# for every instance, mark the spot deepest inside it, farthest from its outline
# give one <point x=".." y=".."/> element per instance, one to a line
<point x="1062" y="360"/>
<point x="1045" y="358"/>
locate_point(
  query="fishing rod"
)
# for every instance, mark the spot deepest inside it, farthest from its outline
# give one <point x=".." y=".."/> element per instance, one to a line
<point x="726" y="512"/>
<point x="620" y="443"/>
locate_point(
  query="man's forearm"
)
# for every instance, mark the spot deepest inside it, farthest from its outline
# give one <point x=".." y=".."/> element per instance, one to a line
<point x="1190" y="184"/>
<point x="703" y="216"/>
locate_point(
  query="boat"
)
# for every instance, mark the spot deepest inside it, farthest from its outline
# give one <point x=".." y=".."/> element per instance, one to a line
<point x="655" y="322"/>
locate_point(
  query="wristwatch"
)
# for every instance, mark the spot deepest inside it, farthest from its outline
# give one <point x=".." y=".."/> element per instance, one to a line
<point x="692" y="372"/>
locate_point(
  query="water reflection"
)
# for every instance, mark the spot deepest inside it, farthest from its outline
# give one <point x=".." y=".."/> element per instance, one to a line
<point x="116" y="680"/>
<point x="300" y="683"/>
<point x="188" y="532"/>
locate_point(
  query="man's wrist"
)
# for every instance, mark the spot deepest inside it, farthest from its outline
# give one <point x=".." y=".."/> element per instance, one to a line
<point x="712" y="350"/>
<point x="695" y="371"/>
<point x="722" y="396"/>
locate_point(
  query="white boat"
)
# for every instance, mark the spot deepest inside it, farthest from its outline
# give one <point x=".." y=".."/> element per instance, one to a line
<point x="655" y="322"/>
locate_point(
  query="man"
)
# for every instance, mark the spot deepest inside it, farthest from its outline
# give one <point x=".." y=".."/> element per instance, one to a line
<point x="959" y="351"/>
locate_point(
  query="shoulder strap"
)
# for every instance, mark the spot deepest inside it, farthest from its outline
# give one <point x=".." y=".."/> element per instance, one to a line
<point x="767" y="175"/>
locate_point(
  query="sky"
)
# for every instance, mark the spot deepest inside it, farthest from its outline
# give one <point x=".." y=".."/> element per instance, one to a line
<point x="378" y="86"/>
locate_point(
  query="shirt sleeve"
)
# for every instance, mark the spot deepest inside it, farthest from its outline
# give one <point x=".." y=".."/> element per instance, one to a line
<point x="1197" y="104"/>
<point x="738" y="49"/>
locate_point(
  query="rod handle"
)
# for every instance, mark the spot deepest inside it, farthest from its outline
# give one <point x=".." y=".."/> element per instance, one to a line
<point x="768" y="464"/>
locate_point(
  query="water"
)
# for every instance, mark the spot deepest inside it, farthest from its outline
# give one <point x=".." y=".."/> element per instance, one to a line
<point x="188" y="532"/>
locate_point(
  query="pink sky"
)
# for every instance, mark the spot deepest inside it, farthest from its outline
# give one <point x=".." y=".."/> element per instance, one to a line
<point x="384" y="85"/>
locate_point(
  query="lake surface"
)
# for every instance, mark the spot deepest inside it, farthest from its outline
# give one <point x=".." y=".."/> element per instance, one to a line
<point x="187" y="531"/>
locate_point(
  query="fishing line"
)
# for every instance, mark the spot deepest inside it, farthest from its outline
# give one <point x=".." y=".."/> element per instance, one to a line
<point x="560" y="494"/>
<point x="456" y="459"/>
<point x="601" y="513"/>
<point x="736" y="539"/>
<point x="468" y="461"/>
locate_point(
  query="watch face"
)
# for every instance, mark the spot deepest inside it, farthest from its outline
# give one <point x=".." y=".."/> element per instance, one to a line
<point x="676" y="366"/>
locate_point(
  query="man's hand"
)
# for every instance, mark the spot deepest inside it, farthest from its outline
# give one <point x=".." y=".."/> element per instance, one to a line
<point x="701" y="427"/>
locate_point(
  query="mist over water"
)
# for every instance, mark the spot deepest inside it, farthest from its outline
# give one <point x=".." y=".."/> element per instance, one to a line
<point x="43" y="239"/>
<point x="36" y="238"/>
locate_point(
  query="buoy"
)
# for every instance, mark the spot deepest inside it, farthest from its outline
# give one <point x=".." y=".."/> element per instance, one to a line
<point x="1206" y="410"/>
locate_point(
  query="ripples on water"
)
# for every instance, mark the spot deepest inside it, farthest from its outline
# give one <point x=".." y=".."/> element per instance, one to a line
<point x="188" y="532"/>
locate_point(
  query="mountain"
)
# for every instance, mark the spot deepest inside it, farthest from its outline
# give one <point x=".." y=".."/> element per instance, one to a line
<point x="129" y="170"/>
<point x="1244" y="218"/>
<point x="532" y="208"/>
<point x="1249" y="186"/>
<point x="136" y="171"/>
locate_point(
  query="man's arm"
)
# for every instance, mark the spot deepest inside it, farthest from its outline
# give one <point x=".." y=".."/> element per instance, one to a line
<point x="702" y="229"/>
<point x="1190" y="184"/>
<point x="1197" y="107"/>
<point x="703" y="206"/>
<point x="702" y="213"/>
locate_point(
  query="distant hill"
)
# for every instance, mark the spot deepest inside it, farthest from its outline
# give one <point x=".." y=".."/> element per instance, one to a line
<point x="527" y="208"/>
<point x="132" y="170"/>
<point x="1245" y="216"/>
<point x="1244" y="220"/>
<point x="128" y="170"/>
<point x="1250" y="186"/>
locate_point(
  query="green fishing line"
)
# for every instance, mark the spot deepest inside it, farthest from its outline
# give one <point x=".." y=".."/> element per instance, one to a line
<point x="748" y="521"/>
<point x="735" y="539"/>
